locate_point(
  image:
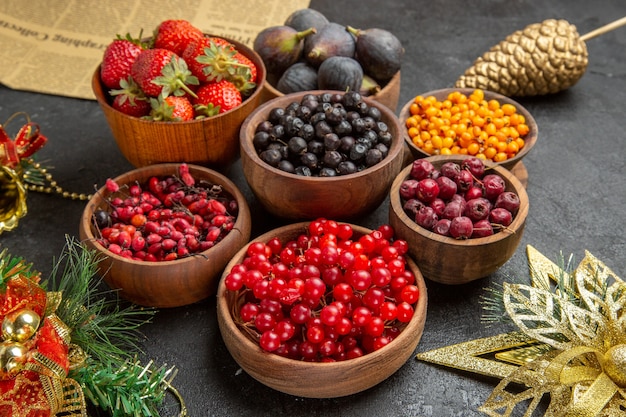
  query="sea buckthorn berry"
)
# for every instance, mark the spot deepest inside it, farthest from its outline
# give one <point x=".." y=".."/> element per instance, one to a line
<point x="462" y="124"/>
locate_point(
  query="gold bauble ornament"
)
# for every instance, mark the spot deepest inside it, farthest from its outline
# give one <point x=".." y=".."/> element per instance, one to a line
<point x="12" y="198"/>
<point x="12" y="355"/>
<point x="20" y="325"/>
<point x="615" y="364"/>
<point x="542" y="58"/>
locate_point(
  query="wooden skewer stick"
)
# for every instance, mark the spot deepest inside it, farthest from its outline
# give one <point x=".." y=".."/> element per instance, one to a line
<point x="604" y="29"/>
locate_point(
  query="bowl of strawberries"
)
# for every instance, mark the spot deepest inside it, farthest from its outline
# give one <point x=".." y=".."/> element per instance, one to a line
<point x="179" y="96"/>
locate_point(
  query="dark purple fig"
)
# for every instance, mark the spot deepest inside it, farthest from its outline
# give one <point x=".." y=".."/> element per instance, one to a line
<point x="306" y="18"/>
<point x="330" y="40"/>
<point x="369" y="86"/>
<point x="379" y="52"/>
<point x="280" y="47"/>
<point x="340" y="73"/>
<point x="298" y="77"/>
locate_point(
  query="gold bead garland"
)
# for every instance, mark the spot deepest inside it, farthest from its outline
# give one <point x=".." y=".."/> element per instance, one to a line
<point x="53" y="188"/>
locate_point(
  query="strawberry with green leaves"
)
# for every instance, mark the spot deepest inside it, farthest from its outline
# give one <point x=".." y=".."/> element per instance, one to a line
<point x="175" y="35"/>
<point x="215" y="59"/>
<point x="159" y="71"/>
<point x="171" y="109"/>
<point x="118" y="59"/>
<point x="216" y="98"/>
<point x="130" y="99"/>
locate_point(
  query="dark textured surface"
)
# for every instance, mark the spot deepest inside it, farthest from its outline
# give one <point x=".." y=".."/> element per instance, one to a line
<point x="576" y="189"/>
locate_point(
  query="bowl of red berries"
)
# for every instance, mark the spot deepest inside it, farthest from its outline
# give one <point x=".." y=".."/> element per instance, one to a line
<point x="463" y="217"/>
<point x="322" y="309"/>
<point x="321" y="153"/>
<point x="465" y="121"/>
<point x="165" y="232"/>
<point x="179" y="96"/>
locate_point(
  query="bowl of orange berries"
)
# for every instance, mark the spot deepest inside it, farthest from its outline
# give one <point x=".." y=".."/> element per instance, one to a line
<point x="465" y="121"/>
<point x="179" y="96"/>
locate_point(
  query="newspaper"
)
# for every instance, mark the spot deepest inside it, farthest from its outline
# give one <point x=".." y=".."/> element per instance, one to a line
<point x="54" y="46"/>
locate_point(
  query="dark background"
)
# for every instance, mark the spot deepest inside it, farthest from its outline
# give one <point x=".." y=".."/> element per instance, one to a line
<point x="576" y="189"/>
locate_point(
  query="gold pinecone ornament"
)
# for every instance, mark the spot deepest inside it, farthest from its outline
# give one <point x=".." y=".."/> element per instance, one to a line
<point x="542" y="58"/>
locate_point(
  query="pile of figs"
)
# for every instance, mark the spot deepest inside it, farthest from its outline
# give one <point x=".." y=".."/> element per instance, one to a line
<point x="309" y="52"/>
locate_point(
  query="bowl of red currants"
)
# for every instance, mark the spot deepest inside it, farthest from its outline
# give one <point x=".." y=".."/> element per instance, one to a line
<point x="300" y="311"/>
<point x="462" y="217"/>
<point x="320" y="153"/>
<point x="165" y="232"/>
<point x="465" y="121"/>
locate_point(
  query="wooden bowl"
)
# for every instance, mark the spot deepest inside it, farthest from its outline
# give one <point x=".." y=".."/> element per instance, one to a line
<point x="167" y="283"/>
<point x="530" y="139"/>
<point x="389" y="95"/>
<point x="316" y="379"/>
<point x="450" y="261"/>
<point x="212" y="142"/>
<point x="298" y="197"/>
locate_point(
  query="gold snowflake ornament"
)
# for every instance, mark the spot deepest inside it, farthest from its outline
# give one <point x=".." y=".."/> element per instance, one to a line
<point x="571" y="343"/>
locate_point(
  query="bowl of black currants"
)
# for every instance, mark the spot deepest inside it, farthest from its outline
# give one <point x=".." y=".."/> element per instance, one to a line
<point x="321" y="153"/>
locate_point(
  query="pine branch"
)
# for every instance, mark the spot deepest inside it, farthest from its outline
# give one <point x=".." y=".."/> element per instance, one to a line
<point x="129" y="390"/>
<point x="102" y="328"/>
<point x="12" y="266"/>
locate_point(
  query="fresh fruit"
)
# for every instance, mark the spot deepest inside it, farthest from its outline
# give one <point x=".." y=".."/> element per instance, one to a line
<point x="303" y="19"/>
<point x="130" y="99"/>
<point x="309" y="313"/>
<point x="216" y="97"/>
<point x="331" y="40"/>
<point x="298" y="77"/>
<point x="118" y="59"/>
<point x="219" y="63"/>
<point x="166" y="218"/>
<point x="451" y="201"/>
<point x="317" y="136"/>
<point x="340" y="73"/>
<point x="379" y="52"/>
<point x="162" y="72"/>
<point x="176" y="35"/>
<point x="488" y="130"/>
<point x="280" y="47"/>
<point x="177" y="61"/>
<point x="171" y="109"/>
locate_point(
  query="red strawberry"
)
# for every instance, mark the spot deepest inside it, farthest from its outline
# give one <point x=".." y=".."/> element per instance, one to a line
<point x="171" y="109"/>
<point x="247" y="62"/>
<point x="216" y="97"/>
<point x="193" y="51"/>
<point x="175" y="35"/>
<point x="160" y="71"/>
<point x="117" y="60"/>
<point x="129" y="99"/>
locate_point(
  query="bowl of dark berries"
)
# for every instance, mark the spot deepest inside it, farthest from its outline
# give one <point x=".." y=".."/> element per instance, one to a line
<point x="463" y="217"/>
<point x="465" y="121"/>
<point x="322" y="324"/>
<point x="321" y="154"/>
<point x="165" y="232"/>
<point x="178" y="101"/>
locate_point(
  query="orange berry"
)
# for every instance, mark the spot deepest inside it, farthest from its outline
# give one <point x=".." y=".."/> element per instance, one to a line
<point x="500" y="157"/>
<point x="508" y="109"/>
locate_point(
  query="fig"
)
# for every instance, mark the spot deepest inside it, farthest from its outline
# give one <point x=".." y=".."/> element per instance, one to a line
<point x="340" y="73"/>
<point x="369" y="86"/>
<point x="379" y="52"/>
<point x="280" y="46"/>
<point x="303" y="19"/>
<point x="330" y="40"/>
<point x="298" y="77"/>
